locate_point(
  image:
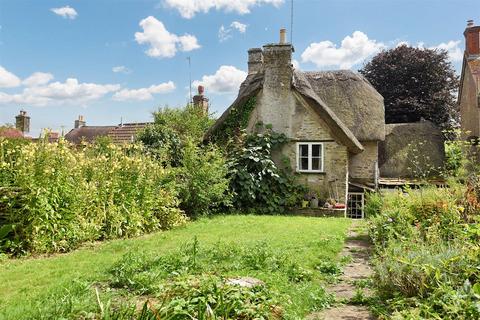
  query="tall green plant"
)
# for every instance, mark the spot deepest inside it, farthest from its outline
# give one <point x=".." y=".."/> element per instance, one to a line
<point x="258" y="183"/>
<point x="55" y="197"/>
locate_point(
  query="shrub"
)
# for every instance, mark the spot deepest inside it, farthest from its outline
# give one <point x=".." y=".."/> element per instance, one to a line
<point x="201" y="179"/>
<point x="427" y="253"/>
<point x="259" y="185"/>
<point x="172" y="130"/>
<point x="55" y="197"/>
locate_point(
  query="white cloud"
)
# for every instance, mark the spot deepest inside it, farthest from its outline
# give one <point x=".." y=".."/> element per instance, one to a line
<point x="353" y="50"/>
<point x="227" y="79"/>
<point x="59" y="93"/>
<point x="188" y="42"/>
<point x="241" y="27"/>
<point x="8" y="79"/>
<point x="144" y="93"/>
<point x="66" y="12"/>
<point x="121" y="69"/>
<point x="189" y="8"/>
<point x="453" y="48"/>
<point x="226" y="33"/>
<point x="163" y="44"/>
<point x="455" y="53"/>
<point x="38" y="79"/>
<point x="296" y="64"/>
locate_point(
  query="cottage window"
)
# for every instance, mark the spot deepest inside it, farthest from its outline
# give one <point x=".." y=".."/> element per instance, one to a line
<point x="310" y="157"/>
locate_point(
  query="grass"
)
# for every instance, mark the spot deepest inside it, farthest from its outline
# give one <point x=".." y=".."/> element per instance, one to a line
<point x="37" y="287"/>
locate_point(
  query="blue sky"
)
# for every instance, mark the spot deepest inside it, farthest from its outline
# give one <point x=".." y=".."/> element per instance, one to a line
<point x="109" y="60"/>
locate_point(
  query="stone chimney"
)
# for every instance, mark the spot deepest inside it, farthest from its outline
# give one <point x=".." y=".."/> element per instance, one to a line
<point x="255" y="60"/>
<point x="472" y="40"/>
<point x="200" y="102"/>
<point x="22" y="122"/>
<point x="80" y="122"/>
<point x="277" y="63"/>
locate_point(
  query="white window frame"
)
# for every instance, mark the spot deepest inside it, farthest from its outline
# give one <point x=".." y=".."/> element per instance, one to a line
<point x="322" y="157"/>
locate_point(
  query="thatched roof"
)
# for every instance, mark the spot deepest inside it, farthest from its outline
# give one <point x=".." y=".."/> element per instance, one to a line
<point x="249" y="88"/>
<point x="419" y="146"/>
<point x="87" y="133"/>
<point x="303" y="86"/>
<point x="353" y="99"/>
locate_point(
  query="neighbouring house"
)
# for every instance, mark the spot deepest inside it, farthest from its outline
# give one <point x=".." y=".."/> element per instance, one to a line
<point x="335" y="121"/>
<point x="123" y="133"/>
<point x="469" y="91"/>
<point x="10" y="133"/>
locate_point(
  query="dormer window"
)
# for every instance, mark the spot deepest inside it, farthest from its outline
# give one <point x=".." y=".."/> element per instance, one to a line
<point x="310" y="157"/>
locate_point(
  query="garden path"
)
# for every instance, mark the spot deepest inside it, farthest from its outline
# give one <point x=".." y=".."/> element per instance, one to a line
<point x="357" y="247"/>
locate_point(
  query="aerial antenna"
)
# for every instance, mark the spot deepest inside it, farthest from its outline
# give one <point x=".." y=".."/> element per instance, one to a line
<point x="291" y="22"/>
<point x="190" y="78"/>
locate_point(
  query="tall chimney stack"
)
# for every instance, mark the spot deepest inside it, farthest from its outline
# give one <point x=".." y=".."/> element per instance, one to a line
<point x="200" y="102"/>
<point x="472" y="40"/>
<point x="80" y="122"/>
<point x="22" y="122"/>
<point x="277" y="64"/>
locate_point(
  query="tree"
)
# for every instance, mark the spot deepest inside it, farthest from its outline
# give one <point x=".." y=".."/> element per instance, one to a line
<point x="415" y="83"/>
<point x="172" y="129"/>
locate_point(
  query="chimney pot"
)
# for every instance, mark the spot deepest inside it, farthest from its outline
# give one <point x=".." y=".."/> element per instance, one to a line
<point x="80" y="122"/>
<point x="470" y="23"/>
<point x="283" y="36"/>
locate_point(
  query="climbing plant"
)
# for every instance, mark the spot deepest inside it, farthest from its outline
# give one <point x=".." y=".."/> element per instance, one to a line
<point x="259" y="184"/>
<point x="236" y="121"/>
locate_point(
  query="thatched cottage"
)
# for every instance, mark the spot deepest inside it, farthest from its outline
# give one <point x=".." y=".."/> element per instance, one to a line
<point x="334" y="119"/>
<point x="469" y="92"/>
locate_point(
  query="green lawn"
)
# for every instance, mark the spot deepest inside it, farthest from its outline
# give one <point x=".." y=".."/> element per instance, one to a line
<point x="227" y="246"/>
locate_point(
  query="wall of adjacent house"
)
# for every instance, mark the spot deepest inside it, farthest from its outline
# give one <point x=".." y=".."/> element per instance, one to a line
<point x="362" y="166"/>
<point x="469" y="112"/>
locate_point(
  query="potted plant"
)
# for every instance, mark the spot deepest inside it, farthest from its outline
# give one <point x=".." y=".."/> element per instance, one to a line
<point x="313" y="200"/>
<point x="306" y="200"/>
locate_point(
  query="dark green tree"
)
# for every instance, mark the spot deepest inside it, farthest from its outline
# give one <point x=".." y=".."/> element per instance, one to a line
<point x="416" y="84"/>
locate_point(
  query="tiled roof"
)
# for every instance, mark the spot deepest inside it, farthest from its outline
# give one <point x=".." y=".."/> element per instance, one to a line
<point x="10" y="133"/>
<point x="126" y="132"/>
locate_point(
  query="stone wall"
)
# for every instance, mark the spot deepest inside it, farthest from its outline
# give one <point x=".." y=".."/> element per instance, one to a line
<point x="302" y="124"/>
<point x="362" y="166"/>
<point x="333" y="181"/>
<point x="278" y="107"/>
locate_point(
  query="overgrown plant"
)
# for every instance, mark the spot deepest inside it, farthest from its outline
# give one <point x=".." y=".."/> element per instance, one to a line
<point x="54" y="197"/>
<point x="258" y="183"/>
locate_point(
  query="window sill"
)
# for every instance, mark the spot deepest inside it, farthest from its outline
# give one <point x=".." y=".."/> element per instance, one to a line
<point x="309" y="171"/>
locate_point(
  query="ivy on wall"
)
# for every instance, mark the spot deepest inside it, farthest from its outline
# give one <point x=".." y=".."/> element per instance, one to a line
<point x="236" y="121"/>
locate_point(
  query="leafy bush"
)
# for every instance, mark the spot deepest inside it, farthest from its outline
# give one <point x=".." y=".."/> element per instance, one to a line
<point x="259" y="185"/>
<point x="427" y="253"/>
<point x="55" y="197"/>
<point x="201" y="180"/>
<point x="172" y="130"/>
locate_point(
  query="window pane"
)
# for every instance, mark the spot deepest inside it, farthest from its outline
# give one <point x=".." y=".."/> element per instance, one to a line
<point x="316" y="162"/>
<point x="303" y="150"/>
<point x="303" y="163"/>
<point x="315" y="150"/>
